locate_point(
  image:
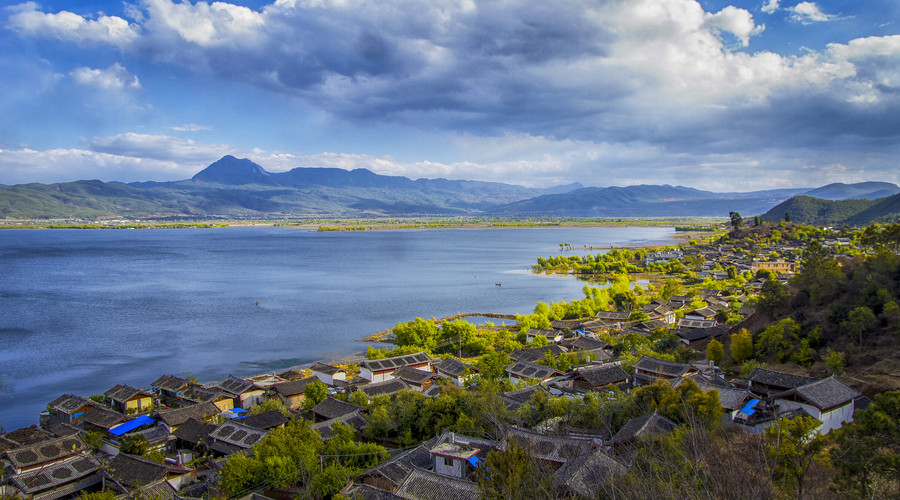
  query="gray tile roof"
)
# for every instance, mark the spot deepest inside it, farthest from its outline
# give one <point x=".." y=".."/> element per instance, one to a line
<point x="198" y="394"/>
<point x="584" y="343"/>
<point x="326" y="369"/>
<point x="452" y="367"/>
<point x="425" y="485"/>
<point x="176" y="417"/>
<point x="696" y="323"/>
<point x="70" y="403"/>
<point x="193" y="431"/>
<point x="387" y="387"/>
<point x="45" y="451"/>
<point x="379" y="365"/>
<point x="122" y="393"/>
<point x="158" y="490"/>
<point x="235" y="385"/>
<point x="236" y="434"/>
<point x="524" y="369"/>
<point x="612" y="315"/>
<point x="266" y="420"/>
<point x="535" y="353"/>
<point x="333" y="408"/>
<point x="102" y="417"/>
<point x="293" y="388"/>
<point x="585" y="474"/>
<point x="132" y="471"/>
<point x="169" y="383"/>
<point x="777" y="380"/>
<point x="661" y="367"/>
<point x="824" y="394"/>
<point x="652" y="423"/>
<point x="398" y="467"/>
<point x="414" y="376"/>
<point x="55" y="475"/>
<point x="557" y="449"/>
<point x="354" y="419"/>
<point x="600" y="375"/>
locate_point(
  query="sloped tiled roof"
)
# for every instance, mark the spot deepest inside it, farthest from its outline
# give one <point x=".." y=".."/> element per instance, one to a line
<point x="425" y="485"/>
<point x="612" y="315"/>
<point x="386" y="387"/>
<point x="326" y="369"/>
<point x="398" y="467"/>
<point x="169" y="383"/>
<point x="452" y="367"/>
<point x="237" y="434"/>
<point x="524" y="369"/>
<point x="366" y="492"/>
<point x="652" y="423"/>
<point x="354" y="419"/>
<point x="132" y="471"/>
<point x="599" y="375"/>
<point x="585" y="474"/>
<point x="584" y="343"/>
<point x="293" y="388"/>
<point x="176" y="417"/>
<point x="266" y="420"/>
<point x="660" y="366"/>
<point x="824" y="394"/>
<point x="157" y="490"/>
<point x="696" y="323"/>
<point x="778" y="379"/>
<point x="413" y="375"/>
<point x="198" y="394"/>
<point x="70" y="403"/>
<point x="54" y="475"/>
<point x="122" y="393"/>
<point x="535" y="353"/>
<point x="193" y="431"/>
<point x="333" y="408"/>
<point x="235" y="385"/>
<point x="45" y="451"/>
<point x="102" y="417"/>
<point x="732" y="399"/>
<point x="379" y="365"/>
<point x="556" y="449"/>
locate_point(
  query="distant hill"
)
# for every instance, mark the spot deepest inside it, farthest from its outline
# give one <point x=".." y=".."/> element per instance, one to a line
<point x="857" y="212"/>
<point x="859" y="191"/>
<point x="233" y="187"/>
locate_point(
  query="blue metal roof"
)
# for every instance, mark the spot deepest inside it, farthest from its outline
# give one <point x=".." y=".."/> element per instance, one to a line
<point x="131" y="425"/>
<point x="748" y="408"/>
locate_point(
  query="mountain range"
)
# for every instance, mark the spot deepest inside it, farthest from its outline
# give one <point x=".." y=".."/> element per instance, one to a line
<point x="232" y="187"/>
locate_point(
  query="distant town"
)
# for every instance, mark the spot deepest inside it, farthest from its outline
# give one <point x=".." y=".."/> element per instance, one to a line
<point x="758" y="359"/>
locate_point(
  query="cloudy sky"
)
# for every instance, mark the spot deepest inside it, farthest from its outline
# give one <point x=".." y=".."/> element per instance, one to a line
<point x="723" y="95"/>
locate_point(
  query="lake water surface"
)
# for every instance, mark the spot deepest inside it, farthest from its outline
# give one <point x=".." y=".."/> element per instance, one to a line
<point x="82" y="311"/>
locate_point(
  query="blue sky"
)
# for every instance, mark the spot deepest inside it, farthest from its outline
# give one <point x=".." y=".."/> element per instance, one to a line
<point x="728" y="96"/>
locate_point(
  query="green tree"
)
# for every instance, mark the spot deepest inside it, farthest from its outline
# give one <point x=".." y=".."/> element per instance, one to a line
<point x="778" y="339"/>
<point x="269" y="405"/>
<point x="793" y="446"/>
<point x="834" y="361"/>
<point x="314" y="393"/>
<point x="240" y="473"/>
<point x="860" y="320"/>
<point x="493" y="365"/>
<point x="514" y="474"/>
<point x="419" y="333"/>
<point x="715" y="352"/>
<point x="772" y="298"/>
<point x="134" y="444"/>
<point x="867" y="451"/>
<point x="741" y="346"/>
<point x="736" y="220"/>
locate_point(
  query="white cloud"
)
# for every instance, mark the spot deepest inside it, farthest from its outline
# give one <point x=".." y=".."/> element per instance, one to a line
<point x="157" y="147"/>
<point x="738" y="22"/>
<point x="809" y="12"/>
<point x="770" y="6"/>
<point x="67" y="25"/>
<point x="191" y="127"/>
<point x="115" y="77"/>
<point x="63" y="165"/>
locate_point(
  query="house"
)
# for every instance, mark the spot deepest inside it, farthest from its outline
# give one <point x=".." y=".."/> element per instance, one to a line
<point x="101" y="419"/>
<point x="67" y="409"/>
<point x="704" y="313"/>
<point x="696" y="323"/>
<point x="380" y="370"/>
<point x="172" y="419"/>
<point x="584" y="343"/>
<point x="454" y="370"/>
<point x="536" y="353"/>
<point x="525" y="370"/>
<point x="245" y="393"/>
<point x="652" y="325"/>
<point x="292" y="394"/>
<point x="419" y="380"/>
<point x="768" y="382"/>
<point x="778" y="267"/>
<point x="128" y="400"/>
<point x="50" y="469"/>
<point x="388" y="387"/>
<point x="554" y="451"/>
<point x="592" y="378"/>
<point x="649" y="370"/>
<point x="328" y="374"/>
<point x="391" y="474"/>
<point x="550" y="335"/>
<point x="614" y="316"/>
<point x="828" y="400"/>
<point x="169" y="385"/>
<point x="194" y="394"/>
<point x="454" y="459"/>
<point x="567" y="324"/>
<point x="231" y="437"/>
<point x="581" y="477"/>
<point x="124" y="473"/>
<point x="426" y="485"/>
<point x="333" y="408"/>
<point x="354" y="419"/>
<point x="267" y="421"/>
<point x="193" y="435"/>
<point x="515" y="399"/>
<point x="638" y="427"/>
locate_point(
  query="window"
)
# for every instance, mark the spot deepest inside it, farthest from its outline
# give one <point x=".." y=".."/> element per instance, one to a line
<point x="448" y="462"/>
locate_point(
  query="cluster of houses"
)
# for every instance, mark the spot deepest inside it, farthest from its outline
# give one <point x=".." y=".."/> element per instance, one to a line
<point x="78" y="446"/>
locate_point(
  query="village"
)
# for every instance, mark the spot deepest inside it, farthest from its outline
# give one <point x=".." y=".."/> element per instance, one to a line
<point x="176" y="437"/>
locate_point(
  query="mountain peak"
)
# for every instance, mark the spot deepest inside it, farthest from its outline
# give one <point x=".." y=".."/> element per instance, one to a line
<point x="233" y="171"/>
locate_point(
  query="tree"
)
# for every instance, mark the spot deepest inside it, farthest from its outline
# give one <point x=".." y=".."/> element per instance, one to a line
<point x="777" y="340"/>
<point x="314" y="393"/>
<point x="269" y="405"/>
<point x="715" y="352"/>
<point x="420" y="333"/>
<point x="493" y="365"/>
<point x="757" y="221"/>
<point x="736" y="219"/>
<point x="514" y="474"/>
<point x="741" y="346"/>
<point x="867" y="451"/>
<point x="793" y="446"/>
<point x="858" y="321"/>
<point x="787" y="216"/>
<point x="834" y="361"/>
<point x="134" y="444"/>
<point x="772" y="298"/>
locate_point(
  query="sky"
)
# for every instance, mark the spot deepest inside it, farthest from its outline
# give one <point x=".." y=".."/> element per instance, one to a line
<point x="719" y="95"/>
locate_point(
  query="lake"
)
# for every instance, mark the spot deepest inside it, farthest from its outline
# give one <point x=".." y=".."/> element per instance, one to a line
<point x="84" y="310"/>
